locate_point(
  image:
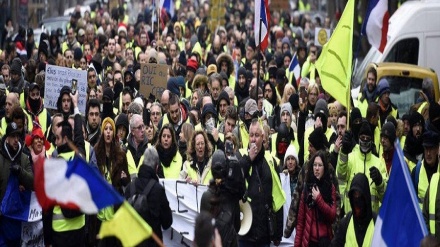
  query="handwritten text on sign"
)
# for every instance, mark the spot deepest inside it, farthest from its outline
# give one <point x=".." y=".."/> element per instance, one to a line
<point x="56" y="78"/>
<point x="153" y="79"/>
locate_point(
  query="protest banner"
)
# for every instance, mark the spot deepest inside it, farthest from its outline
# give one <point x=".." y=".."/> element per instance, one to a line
<point x="153" y="79"/>
<point x="56" y="78"/>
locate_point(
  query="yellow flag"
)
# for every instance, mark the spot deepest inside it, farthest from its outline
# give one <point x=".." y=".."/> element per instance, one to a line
<point x="335" y="62"/>
<point x="127" y="225"/>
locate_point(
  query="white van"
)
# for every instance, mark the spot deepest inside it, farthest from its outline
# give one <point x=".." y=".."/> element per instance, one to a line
<point x="413" y="38"/>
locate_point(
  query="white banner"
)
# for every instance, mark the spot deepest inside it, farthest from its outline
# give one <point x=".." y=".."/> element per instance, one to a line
<point x="56" y="78"/>
<point x="184" y="199"/>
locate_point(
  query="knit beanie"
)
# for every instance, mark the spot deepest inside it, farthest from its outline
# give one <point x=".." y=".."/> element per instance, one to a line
<point x="192" y="65"/>
<point x="389" y="131"/>
<point x="77" y="54"/>
<point x="294" y="101"/>
<point x="416" y="118"/>
<point x="318" y="139"/>
<point x="111" y="122"/>
<point x="321" y="108"/>
<point x="365" y="129"/>
<point x="355" y="114"/>
<point x="108" y="93"/>
<point x="383" y="87"/>
<point x="286" y="107"/>
<point x="182" y="58"/>
<point x="16" y="66"/>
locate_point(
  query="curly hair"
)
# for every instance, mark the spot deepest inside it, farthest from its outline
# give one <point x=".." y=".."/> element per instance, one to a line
<point x="191" y="151"/>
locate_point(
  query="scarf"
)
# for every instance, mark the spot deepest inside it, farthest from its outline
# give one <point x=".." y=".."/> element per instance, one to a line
<point x="241" y="93"/>
<point x="166" y="156"/>
<point x="11" y="154"/>
<point x="35" y="156"/>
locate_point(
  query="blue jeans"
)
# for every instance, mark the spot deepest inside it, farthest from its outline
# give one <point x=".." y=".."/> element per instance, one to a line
<point x="243" y="243"/>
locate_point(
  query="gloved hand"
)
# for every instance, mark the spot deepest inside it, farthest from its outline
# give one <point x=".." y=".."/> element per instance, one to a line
<point x="375" y="175"/>
<point x="347" y="142"/>
<point x="15" y="169"/>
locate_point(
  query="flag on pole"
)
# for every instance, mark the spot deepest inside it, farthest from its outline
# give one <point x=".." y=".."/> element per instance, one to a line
<point x="334" y="65"/>
<point x="262" y="12"/>
<point x="72" y="184"/>
<point x="168" y="5"/>
<point x="375" y="25"/>
<point x="127" y="225"/>
<point x="391" y="228"/>
<point x="294" y="68"/>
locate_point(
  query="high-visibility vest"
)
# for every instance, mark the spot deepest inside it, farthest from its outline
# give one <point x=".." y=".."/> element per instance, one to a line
<point x="67" y="155"/>
<point x="350" y="236"/>
<point x="278" y="195"/>
<point x="42" y="119"/>
<point x="62" y="224"/>
<point x="203" y="178"/>
<point x="87" y="147"/>
<point x="173" y="171"/>
<point x="432" y="199"/>
<point x="133" y="168"/>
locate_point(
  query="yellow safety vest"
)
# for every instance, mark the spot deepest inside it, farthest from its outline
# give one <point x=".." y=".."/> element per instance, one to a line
<point x="68" y="155"/>
<point x="203" y="178"/>
<point x="350" y="236"/>
<point x="165" y="120"/>
<point x="133" y="168"/>
<point x="278" y="195"/>
<point x="62" y="224"/>
<point x="108" y="212"/>
<point x="42" y="118"/>
<point x="432" y="199"/>
<point x="87" y="147"/>
<point x="173" y="171"/>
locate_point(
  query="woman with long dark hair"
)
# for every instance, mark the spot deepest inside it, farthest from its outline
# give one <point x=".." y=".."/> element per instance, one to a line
<point x="317" y="208"/>
<point x="170" y="158"/>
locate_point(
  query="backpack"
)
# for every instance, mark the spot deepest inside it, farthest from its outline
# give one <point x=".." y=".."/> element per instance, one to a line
<point x="139" y="201"/>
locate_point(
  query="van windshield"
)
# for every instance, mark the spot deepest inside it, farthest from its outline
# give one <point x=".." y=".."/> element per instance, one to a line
<point x="404" y="92"/>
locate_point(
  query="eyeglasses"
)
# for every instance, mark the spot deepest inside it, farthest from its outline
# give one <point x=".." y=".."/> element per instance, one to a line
<point x="140" y="127"/>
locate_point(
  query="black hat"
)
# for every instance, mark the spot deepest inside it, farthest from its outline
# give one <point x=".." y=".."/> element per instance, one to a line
<point x="355" y="114"/>
<point x="318" y="139"/>
<point x="272" y="72"/>
<point x="294" y="101"/>
<point x="16" y="66"/>
<point x="12" y="129"/>
<point x="77" y="53"/>
<point x="389" y="130"/>
<point x="108" y="93"/>
<point x="365" y="129"/>
<point x="32" y="86"/>
<point x="430" y="139"/>
<point x="65" y="90"/>
<point x="182" y="58"/>
<point x="208" y="108"/>
<point x="281" y="75"/>
<point x="218" y="167"/>
<point x="251" y="44"/>
<point x="321" y="108"/>
<point x="416" y="118"/>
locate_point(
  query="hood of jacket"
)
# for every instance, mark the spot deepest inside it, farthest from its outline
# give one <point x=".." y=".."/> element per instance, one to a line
<point x="360" y="184"/>
<point x="225" y="57"/>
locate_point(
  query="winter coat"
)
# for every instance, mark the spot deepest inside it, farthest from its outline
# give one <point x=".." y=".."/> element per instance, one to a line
<point x="159" y="216"/>
<point x="322" y="214"/>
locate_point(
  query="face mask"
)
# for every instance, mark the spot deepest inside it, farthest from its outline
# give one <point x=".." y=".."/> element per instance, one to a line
<point x="358" y="205"/>
<point x="209" y="125"/>
<point x="282" y="148"/>
<point x="365" y="146"/>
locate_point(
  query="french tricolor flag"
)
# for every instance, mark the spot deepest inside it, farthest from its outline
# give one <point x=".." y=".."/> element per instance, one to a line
<point x="72" y="185"/>
<point x="295" y="69"/>
<point x="376" y="23"/>
<point x="262" y="12"/>
<point x="168" y="5"/>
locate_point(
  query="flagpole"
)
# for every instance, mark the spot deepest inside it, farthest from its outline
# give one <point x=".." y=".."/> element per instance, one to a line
<point x="258" y="60"/>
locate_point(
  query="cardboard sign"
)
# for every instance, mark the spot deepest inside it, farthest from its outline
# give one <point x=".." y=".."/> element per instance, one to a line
<point x="58" y="77"/>
<point x="153" y="79"/>
<point x="322" y="35"/>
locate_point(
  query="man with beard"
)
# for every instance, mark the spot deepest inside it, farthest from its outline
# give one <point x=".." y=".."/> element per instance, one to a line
<point x="35" y="110"/>
<point x="93" y="121"/>
<point x="111" y="55"/>
<point x="143" y="43"/>
<point x="386" y="107"/>
<point x="387" y="138"/>
<point x="357" y="227"/>
<point x="222" y="105"/>
<point x="11" y="103"/>
<point x="177" y="115"/>
<point x="369" y="92"/>
<point x="241" y="87"/>
<point x="421" y="175"/>
<point x="14" y="163"/>
<point x="413" y="149"/>
<point x="71" y="43"/>
<point x="91" y="78"/>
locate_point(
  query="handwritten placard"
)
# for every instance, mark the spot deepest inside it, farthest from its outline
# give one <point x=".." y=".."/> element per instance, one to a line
<point x="153" y="79"/>
<point x="56" y="78"/>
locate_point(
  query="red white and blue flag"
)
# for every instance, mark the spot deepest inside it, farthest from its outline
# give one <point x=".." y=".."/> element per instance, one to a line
<point x="168" y="5"/>
<point x="376" y="23"/>
<point x="262" y="12"/>
<point x="294" y="69"/>
<point x="73" y="185"/>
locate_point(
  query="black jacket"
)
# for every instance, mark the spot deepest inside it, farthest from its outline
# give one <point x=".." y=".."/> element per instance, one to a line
<point x="260" y="195"/>
<point x="360" y="184"/>
<point x="160" y="215"/>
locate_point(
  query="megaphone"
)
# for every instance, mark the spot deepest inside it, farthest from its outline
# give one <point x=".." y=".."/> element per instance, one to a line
<point x="245" y="218"/>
